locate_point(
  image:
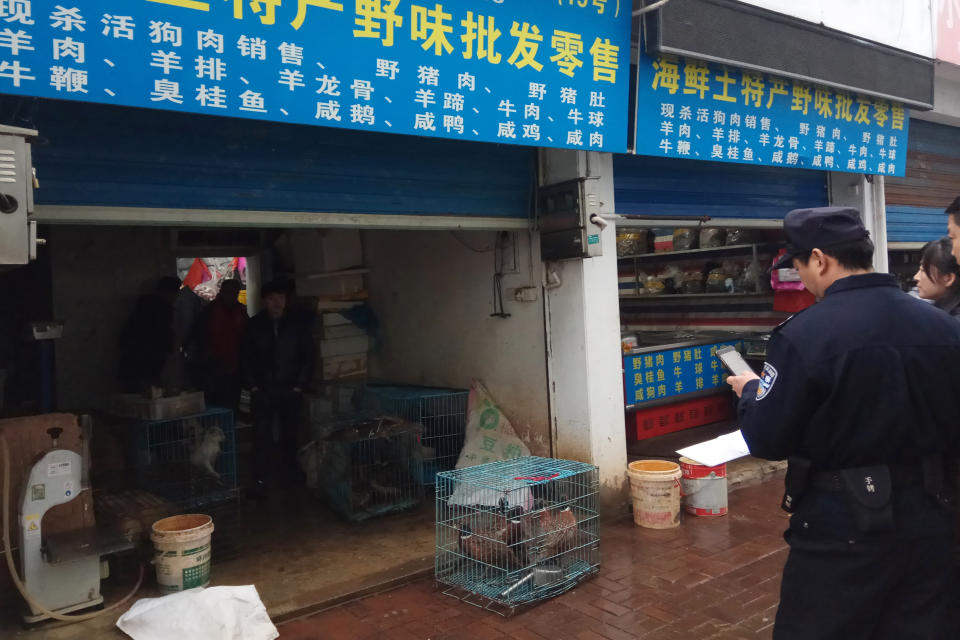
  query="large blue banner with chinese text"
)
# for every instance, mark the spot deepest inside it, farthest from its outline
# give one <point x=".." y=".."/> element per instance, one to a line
<point x="550" y="73"/>
<point x="674" y="372"/>
<point x="687" y="108"/>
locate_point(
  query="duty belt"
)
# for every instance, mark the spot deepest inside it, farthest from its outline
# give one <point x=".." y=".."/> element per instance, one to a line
<point x="901" y="475"/>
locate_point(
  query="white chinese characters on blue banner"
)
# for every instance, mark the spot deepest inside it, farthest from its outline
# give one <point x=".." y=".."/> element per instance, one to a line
<point x="674" y="372"/>
<point x="687" y="108"/>
<point x="550" y="73"/>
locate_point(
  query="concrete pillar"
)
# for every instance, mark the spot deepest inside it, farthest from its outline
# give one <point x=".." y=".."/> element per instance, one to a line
<point x="866" y="194"/>
<point x="583" y="340"/>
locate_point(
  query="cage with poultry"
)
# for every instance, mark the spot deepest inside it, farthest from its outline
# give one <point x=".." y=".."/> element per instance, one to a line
<point x="191" y="461"/>
<point x="441" y="412"/>
<point x="368" y="465"/>
<point x="513" y="533"/>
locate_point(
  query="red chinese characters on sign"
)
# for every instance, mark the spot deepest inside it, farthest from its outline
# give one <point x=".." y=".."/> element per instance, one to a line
<point x="948" y="31"/>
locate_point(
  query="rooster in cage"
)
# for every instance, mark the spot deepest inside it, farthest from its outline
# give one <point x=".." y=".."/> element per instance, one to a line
<point x="558" y="529"/>
<point x="503" y="545"/>
<point x="488" y="548"/>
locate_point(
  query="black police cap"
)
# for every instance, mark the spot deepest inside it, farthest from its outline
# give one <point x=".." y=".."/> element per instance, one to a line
<point x="819" y="228"/>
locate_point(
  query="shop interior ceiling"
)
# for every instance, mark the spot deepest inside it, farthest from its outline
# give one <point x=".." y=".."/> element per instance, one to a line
<point x="190" y="243"/>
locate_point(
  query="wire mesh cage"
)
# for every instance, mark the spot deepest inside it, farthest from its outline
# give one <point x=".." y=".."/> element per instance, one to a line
<point x="368" y="466"/>
<point x="516" y="532"/>
<point x="441" y="412"/>
<point x="191" y="461"/>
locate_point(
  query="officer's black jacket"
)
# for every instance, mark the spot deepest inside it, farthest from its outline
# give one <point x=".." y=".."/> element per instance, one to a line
<point x="868" y="375"/>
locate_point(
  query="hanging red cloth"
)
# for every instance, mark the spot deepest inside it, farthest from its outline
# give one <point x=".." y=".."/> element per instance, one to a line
<point x="197" y="274"/>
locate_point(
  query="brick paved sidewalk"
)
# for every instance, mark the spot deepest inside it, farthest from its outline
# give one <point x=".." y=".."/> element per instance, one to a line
<point x="711" y="578"/>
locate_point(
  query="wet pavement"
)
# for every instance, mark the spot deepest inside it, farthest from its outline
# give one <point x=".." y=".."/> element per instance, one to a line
<point x="709" y="578"/>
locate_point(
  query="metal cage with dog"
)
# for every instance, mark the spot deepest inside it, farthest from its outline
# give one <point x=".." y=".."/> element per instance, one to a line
<point x="516" y="532"/>
<point x="191" y="461"/>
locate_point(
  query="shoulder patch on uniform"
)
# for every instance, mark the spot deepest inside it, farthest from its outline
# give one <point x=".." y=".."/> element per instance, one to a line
<point x="767" y="379"/>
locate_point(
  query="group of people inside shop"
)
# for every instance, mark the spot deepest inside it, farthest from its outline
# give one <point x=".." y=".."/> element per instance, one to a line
<point x="172" y="341"/>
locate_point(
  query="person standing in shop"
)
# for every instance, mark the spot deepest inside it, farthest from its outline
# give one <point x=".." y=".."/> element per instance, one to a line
<point x="938" y="278"/>
<point x="277" y="363"/>
<point x="225" y="322"/>
<point x="148" y="341"/>
<point x="859" y="394"/>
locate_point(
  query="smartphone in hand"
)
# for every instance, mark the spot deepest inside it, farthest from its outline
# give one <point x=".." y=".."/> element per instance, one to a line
<point x="733" y="361"/>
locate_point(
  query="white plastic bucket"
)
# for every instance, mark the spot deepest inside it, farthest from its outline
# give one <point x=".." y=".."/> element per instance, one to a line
<point x="704" y="488"/>
<point x="655" y="489"/>
<point x="182" y="552"/>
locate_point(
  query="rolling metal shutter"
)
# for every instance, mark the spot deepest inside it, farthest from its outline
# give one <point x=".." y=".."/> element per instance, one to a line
<point x="671" y="187"/>
<point x="111" y="157"/>
<point x="915" y="202"/>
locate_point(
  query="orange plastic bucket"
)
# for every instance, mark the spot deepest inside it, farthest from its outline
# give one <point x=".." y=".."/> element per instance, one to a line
<point x="655" y="491"/>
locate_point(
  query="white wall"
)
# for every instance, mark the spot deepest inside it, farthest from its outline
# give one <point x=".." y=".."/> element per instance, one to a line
<point x="432" y="292"/>
<point x="586" y="366"/>
<point x="864" y="193"/>
<point x="946" y="97"/>
<point x="97" y="274"/>
<point x="904" y="24"/>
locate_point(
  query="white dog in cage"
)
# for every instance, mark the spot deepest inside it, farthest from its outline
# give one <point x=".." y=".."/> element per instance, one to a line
<point x="206" y="446"/>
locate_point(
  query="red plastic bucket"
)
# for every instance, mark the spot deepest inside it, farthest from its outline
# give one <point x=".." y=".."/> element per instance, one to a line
<point x="704" y="488"/>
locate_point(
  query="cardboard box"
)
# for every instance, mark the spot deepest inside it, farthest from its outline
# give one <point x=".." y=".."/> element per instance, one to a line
<point x="345" y="346"/>
<point x="348" y="367"/>
<point x="342" y="331"/>
<point x="324" y="250"/>
<point x="334" y="319"/>
<point x="343" y="287"/>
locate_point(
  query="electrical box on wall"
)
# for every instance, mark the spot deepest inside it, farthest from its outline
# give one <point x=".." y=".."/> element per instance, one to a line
<point x="564" y="219"/>
<point x="18" y="234"/>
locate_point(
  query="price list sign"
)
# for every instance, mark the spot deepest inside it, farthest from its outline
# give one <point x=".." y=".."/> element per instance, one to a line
<point x="674" y="372"/>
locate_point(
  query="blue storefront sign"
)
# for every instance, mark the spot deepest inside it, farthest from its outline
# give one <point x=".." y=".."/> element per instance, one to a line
<point x="687" y="108"/>
<point x="673" y="372"/>
<point x="551" y="74"/>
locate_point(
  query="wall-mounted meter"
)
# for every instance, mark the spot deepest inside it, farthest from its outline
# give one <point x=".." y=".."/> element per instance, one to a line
<point x="564" y="218"/>
<point x="18" y="234"/>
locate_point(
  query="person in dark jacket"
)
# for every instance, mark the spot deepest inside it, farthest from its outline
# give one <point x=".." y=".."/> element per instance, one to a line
<point x="859" y="394"/>
<point x="147" y="340"/>
<point x="224" y="324"/>
<point x="938" y="278"/>
<point x="277" y="363"/>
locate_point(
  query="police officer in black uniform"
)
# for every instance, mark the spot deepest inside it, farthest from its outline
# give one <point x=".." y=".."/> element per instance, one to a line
<point x="860" y="394"/>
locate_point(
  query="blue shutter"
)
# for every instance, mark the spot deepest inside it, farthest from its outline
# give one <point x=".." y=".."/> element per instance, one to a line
<point x="915" y="202"/>
<point x="670" y="187"/>
<point x="117" y="157"/>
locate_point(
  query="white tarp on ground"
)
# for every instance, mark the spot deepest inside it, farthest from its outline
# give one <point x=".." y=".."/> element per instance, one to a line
<point x="217" y="613"/>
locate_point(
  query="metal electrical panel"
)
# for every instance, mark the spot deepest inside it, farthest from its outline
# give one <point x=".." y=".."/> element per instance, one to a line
<point x="18" y="234"/>
<point x="564" y="211"/>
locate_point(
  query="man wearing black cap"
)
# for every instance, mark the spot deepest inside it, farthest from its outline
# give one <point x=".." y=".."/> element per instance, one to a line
<point x="859" y="393"/>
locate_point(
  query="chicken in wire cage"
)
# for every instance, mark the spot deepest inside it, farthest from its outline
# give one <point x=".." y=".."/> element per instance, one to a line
<point x="516" y="532"/>
<point x="366" y="466"/>
<point x="441" y="412"/>
<point x="191" y="461"/>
